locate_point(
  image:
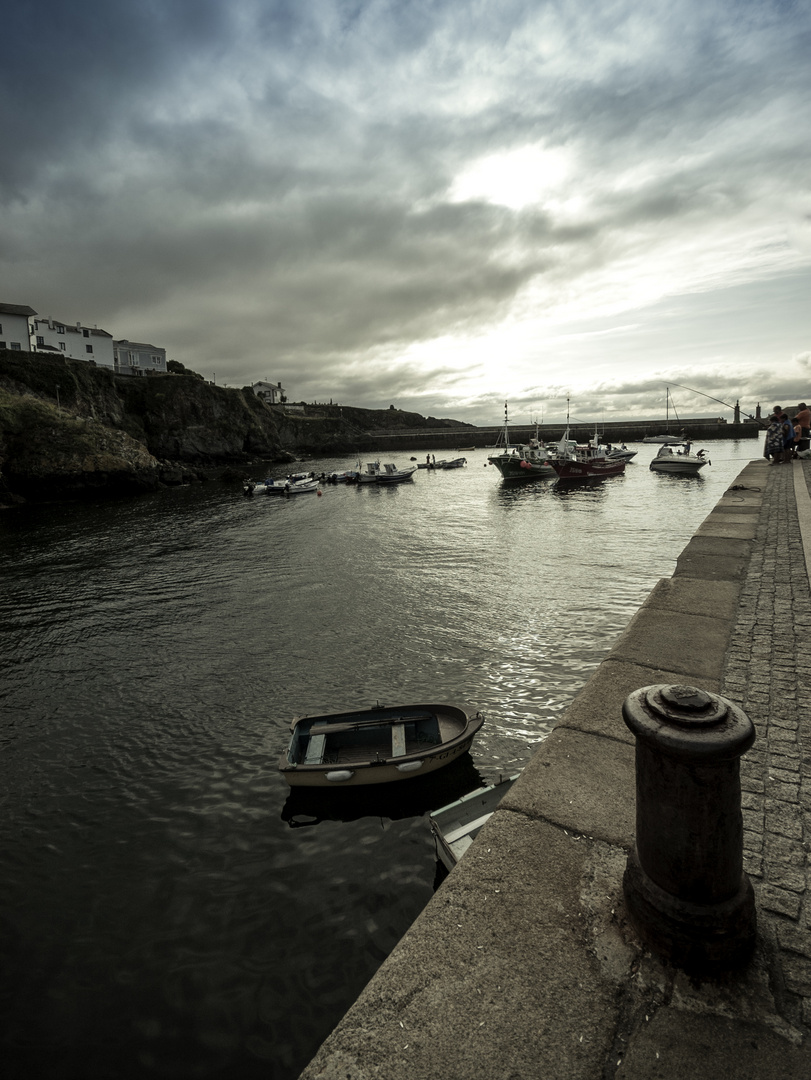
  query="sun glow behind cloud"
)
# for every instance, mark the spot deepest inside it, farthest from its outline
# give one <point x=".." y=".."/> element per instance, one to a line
<point x="527" y="176"/>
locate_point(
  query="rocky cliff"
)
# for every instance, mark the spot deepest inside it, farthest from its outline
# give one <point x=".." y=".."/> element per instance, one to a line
<point x="68" y="428"/>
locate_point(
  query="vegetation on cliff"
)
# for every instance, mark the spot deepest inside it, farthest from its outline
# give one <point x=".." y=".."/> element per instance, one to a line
<point x="68" y="427"/>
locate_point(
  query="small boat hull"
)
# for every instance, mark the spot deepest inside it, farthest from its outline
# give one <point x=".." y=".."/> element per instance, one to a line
<point x="376" y="746"/>
<point x="587" y="470"/>
<point x="392" y="475"/>
<point x="457" y="825"/>
<point x="515" y="466"/>
<point x="681" y="468"/>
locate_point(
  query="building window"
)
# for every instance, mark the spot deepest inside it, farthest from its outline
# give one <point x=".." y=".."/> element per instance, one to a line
<point x="62" y="346"/>
<point x="15" y="345"/>
<point x="156" y="360"/>
<point x="1" y="328"/>
<point x="40" y="339"/>
<point x="60" y="329"/>
<point x="85" y="333"/>
<point x="88" y="348"/>
<point x="2" y="343"/>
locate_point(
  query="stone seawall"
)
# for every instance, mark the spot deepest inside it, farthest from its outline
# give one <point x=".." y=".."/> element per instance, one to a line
<point x="480" y="437"/>
<point x="524" y="963"/>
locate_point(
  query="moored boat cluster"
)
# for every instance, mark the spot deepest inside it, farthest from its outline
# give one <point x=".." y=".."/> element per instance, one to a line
<point x="372" y="473"/>
<point x="568" y="460"/>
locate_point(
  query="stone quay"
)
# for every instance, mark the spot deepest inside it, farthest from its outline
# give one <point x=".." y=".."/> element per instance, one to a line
<point x="526" y="963"/>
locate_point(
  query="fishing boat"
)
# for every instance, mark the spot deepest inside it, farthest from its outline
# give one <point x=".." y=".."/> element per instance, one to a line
<point x="457" y="825"/>
<point x="390" y="474"/>
<point x="370" y="474"/>
<point x="521" y="461"/>
<point x="667" y="439"/>
<point x="586" y="463"/>
<point x="376" y="746"/>
<point x="454" y="463"/>
<point x="583" y="462"/>
<point x="682" y="462"/>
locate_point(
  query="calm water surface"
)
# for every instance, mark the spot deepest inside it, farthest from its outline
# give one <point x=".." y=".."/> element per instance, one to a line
<point x="168" y="908"/>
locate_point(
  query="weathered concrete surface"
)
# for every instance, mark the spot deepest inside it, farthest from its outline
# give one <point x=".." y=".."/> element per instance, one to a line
<point x="524" y="965"/>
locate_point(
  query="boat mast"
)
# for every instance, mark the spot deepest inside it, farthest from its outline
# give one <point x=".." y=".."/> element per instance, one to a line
<point x="563" y="445"/>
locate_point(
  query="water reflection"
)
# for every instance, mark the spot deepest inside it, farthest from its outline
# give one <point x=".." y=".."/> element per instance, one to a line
<point x="305" y="807"/>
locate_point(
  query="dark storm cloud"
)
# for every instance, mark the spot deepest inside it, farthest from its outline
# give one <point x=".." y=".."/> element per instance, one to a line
<point x="75" y="74"/>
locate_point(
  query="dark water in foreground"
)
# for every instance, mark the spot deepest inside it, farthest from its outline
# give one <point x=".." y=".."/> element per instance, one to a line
<point x="167" y="909"/>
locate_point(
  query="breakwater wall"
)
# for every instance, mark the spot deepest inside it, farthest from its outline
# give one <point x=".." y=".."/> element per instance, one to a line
<point x="524" y="963"/>
<point x="629" y="431"/>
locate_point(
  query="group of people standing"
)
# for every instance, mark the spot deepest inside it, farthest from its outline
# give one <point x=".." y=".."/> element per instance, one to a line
<point x="786" y="438"/>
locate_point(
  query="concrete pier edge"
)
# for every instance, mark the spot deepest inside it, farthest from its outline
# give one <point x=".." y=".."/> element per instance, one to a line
<point x="524" y="963"/>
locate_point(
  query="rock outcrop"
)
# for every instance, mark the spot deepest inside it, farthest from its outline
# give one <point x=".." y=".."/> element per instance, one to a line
<point x="68" y="428"/>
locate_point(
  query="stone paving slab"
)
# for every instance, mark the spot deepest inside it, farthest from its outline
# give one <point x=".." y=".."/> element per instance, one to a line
<point x="551" y="786"/>
<point x="597" y="709"/>
<point x="713" y="600"/>
<point x="694" y="645"/>
<point x="729" y="527"/>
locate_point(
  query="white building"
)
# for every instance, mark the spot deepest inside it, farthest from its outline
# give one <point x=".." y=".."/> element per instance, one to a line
<point x="138" y="358"/>
<point x="21" y="330"/>
<point x="270" y="393"/>
<point x="15" y="330"/>
<point x="72" y="340"/>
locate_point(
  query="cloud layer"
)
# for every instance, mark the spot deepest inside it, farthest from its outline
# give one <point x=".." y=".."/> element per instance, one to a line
<point x="437" y="205"/>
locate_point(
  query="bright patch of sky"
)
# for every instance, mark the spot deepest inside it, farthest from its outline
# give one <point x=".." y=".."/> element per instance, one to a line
<point x="517" y="178"/>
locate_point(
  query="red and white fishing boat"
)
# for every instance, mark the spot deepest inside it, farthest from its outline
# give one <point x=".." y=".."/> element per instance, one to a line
<point x="586" y="463"/>
<point x="589" y="462"/>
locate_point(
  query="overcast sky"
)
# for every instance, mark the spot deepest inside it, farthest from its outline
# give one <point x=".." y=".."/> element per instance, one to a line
<point x="436" y="204"/>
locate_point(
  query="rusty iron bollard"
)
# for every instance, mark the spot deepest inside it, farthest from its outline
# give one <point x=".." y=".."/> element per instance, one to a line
<point x="684" y="884"/>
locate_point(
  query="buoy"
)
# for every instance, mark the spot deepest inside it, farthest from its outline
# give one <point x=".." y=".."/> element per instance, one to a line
<point x="319" y="494"/>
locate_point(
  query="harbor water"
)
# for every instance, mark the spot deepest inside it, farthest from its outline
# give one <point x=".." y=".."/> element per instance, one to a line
<point x="169" y="908"/>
